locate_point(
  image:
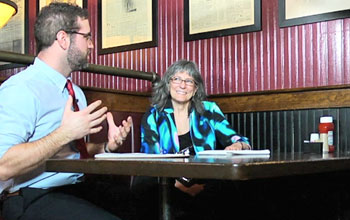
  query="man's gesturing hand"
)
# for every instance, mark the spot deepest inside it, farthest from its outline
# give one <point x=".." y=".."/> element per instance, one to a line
<point x="81" y="123"/>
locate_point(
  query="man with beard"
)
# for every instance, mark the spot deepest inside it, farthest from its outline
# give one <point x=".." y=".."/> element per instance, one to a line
<point x="38" y="122"/>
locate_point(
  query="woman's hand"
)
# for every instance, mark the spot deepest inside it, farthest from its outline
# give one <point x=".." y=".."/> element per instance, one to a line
<point x="192" y="190"/>
<point x="239" y="146"/>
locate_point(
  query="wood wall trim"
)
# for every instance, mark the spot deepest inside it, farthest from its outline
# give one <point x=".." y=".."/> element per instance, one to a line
<point x="119" y="100"/>
<point x="288" y="99"/>
<point x="272" y="100"/>
<point x="275" y="100"/>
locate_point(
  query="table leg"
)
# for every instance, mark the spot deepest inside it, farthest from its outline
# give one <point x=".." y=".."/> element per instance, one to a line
<point x="165" y="213"/>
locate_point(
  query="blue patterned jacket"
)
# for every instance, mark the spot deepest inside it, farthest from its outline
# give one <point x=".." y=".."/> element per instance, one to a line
<point x="159" y="133"/>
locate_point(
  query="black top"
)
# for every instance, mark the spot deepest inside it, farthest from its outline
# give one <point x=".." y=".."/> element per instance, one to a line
<point x="186" y="142"/>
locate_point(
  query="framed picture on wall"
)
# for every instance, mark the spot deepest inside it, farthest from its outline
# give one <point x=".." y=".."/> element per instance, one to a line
<point x="214" y="18"/>
<point x="14" y="35"/>
<point x="297" y="12"/>
<point x="43" y="3"/>
<point x="126" y="25"/>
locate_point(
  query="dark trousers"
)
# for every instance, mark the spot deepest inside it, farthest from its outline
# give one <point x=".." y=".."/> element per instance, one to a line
<point x="79" y="201"/>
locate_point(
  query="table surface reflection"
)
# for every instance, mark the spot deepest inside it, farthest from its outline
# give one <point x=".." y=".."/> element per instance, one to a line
<point x="231" y="168"/>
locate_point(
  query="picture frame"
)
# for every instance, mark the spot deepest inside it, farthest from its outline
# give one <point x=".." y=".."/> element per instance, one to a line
<point x="127" y="25"/>
<point x="14" y="35"/>
<point x="298" y="12"/>
<point x="215" y="18"/>
<point x="42" y="3"/>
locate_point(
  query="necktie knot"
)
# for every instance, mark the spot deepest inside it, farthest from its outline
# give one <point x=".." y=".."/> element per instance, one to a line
<point x="70" y="89"/>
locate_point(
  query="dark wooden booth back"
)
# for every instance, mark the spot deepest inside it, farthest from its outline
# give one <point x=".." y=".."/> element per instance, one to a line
<point x="121" y="105"/>
<point x="279" y="120"/>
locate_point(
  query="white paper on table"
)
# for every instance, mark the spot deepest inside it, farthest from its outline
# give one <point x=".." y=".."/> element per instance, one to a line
<point x="137" y="156"/>
<point x="233" y="152"/>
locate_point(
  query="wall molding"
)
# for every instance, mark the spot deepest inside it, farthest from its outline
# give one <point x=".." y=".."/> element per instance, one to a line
<point x="273" y="100"/>
<point x="117" y="100"/>
<point x="285" y="99"/>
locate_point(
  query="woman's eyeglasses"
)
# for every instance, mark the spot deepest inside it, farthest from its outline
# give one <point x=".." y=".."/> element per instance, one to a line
<point x="178" y="80"/>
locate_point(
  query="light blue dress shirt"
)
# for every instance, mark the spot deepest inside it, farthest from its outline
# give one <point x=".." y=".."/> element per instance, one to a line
<point x="31" y="107"/>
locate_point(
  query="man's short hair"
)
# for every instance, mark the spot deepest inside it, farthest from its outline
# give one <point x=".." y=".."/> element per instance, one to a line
<point x="54" y="18"/>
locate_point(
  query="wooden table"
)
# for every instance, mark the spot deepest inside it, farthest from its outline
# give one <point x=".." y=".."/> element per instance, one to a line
<point x="228" y="168"/>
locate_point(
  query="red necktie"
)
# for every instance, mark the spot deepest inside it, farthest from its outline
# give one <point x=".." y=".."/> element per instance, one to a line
<point x="80" y="144"/>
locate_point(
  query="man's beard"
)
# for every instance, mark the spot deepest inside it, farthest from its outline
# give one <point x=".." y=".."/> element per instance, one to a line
<point x="77" y="60"/>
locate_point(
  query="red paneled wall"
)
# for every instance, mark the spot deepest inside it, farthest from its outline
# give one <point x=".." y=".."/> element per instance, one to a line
<point x="301" y="56"/>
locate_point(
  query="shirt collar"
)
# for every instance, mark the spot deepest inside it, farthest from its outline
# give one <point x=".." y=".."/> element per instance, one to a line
<point x="51" y="74"/>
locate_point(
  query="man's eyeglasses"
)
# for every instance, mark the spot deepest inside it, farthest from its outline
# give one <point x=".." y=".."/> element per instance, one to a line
<point x="87" y="36"/>
<point x="178" y="80"/>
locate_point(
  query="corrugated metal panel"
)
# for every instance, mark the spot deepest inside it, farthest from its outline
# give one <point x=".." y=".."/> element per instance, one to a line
<point x="273" y="58"/>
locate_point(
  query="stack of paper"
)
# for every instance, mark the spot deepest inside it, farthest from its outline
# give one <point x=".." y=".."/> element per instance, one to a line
<point x="137" y="156"/>
<point x="233" y="152"/>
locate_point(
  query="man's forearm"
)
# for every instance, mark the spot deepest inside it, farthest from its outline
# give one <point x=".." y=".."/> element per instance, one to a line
<point x="25" y="157"/>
